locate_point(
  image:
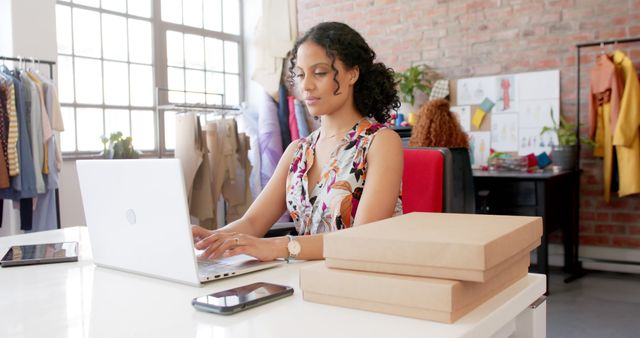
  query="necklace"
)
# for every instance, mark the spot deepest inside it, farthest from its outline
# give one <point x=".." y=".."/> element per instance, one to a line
<point x="341" y="132"/>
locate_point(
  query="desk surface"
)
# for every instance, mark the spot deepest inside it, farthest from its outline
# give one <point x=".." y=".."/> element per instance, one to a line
<point x="518" y="174"/>
<point x="81" y="300"/>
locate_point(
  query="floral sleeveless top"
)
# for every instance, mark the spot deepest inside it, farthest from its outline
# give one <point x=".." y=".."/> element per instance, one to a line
<point x="333" y="203"/>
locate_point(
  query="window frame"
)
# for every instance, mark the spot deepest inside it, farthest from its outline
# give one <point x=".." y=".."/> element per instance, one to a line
<point x="159" y="66"/>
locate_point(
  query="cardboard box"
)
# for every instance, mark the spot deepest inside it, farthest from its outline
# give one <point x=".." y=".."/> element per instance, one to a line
<point x="450" y="246"/>
<point x="417" y="297"/>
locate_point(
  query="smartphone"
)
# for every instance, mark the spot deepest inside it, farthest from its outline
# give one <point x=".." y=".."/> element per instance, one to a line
<point x="241" y="298"/>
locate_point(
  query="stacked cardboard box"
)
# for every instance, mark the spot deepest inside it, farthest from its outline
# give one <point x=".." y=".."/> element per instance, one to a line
<point x="423" y="265"/>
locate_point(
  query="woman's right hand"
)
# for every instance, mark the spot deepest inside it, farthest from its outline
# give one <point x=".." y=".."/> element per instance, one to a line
<point x="199" y="233"/>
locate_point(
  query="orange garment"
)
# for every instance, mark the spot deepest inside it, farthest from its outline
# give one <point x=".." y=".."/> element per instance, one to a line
<point x="605" y="87"/>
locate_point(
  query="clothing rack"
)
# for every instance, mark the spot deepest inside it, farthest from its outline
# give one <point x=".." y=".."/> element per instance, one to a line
<point x="50" y="64"/>
<point x="577" y="270"/>
<point x="37" y="61"/>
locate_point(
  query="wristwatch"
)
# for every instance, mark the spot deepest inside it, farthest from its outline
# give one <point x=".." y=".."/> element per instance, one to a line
<point x="294" y="248"/>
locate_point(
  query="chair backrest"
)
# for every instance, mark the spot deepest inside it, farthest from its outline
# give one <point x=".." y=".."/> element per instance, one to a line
<point x="463" y="198"/>
<point x="425" y="184"/>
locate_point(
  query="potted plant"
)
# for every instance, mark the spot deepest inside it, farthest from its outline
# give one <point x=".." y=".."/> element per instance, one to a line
<point x="565" y="153"/>
<point x="413" y="80"/>
<point x="119" y="147"/>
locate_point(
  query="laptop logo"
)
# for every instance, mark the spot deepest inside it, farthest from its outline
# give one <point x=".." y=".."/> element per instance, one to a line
<point x="131" y="216"/>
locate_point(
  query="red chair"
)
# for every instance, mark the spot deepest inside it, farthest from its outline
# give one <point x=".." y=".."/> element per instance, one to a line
<point x="424" y="180"/>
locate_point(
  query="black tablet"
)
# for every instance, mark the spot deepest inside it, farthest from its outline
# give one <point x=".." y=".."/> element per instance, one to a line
<point x="40" y="254"/>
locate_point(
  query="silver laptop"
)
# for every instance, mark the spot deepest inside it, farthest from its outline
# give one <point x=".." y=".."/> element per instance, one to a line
<point x="138" y="221"/>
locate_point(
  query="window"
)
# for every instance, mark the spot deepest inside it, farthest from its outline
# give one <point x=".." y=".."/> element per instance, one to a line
<point x="113" y="54"/>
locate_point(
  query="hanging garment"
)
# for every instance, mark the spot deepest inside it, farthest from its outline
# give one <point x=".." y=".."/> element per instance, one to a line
<point x="626" y="136"/>
<point x="303" y="128"/>
<point x="13" y="131"/>
<point x="237" y="193"/>
<point x="283" y="117"/>
<point x="192" y="152"/>
<point x="34" y="121"/>
<point x="4" y="167"/>
<point x="269" y="138"/>
<point x="605" y="89"/>
<point x="217" y="166"/>
<point x="293" y="123"/>
<point x="604" y="105"/>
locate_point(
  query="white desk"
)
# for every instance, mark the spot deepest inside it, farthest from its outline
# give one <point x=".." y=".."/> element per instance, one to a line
<point x="81" y="300"/>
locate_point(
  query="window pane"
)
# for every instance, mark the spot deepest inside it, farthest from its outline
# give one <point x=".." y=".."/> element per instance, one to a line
<point x="231" y="15"/>
<point x="65" y="79"/>
<point x="215" y="84"/>
<point x="88" y="81"/>
<point x="116" y="83"/>
<point x="193" y="13"/>
<point x="194" y="51"/>
<point x="114" y="33"/>
<point x="175" y="53"/>
<point x="175" y="77"/>
<point x="140" y="41"/>
<point x="92" y="3"/>
<point x="116" y="5"/>
<point x="90" y="129"/>
<point x="213" y="15"/>
<point x="68" y="136"/>
<point x="231" y="89"/>
<point x="143" y="129"/>
<point x="139" y="7"/>
<point x="141" y="82"/>
<point x="195" y="83"/>
<point x="116" y="120"/>
<point x="86" y="35"/>
<point x="230" y="57"/>
<point x="213" y="50"/>
<point x="63" y="29"/>
<point x="171" y="11"/>
<point x="169" y="130"/>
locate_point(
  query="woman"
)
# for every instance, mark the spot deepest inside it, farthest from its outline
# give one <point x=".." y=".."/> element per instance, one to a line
<point x="321" y="179"/>
<point x="436" y="126"/>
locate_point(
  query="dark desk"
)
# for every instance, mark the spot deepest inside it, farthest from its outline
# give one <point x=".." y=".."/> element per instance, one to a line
<point x="553" y="196"/>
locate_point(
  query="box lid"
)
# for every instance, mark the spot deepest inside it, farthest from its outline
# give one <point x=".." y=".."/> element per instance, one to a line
<point x="458" y="241"/>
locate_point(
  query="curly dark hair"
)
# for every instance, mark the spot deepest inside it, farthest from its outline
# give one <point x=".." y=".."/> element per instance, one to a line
<point x="436" y="126"/>
<point x="375" y="93"/>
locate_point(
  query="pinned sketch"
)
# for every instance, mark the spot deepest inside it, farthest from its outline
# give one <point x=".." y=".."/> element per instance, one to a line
<point x="506" y="101"/>
<point x="463" y="113"/>
<point x="474" y="90"/>
<point x="504" y="129"/>
<point x="538" y="113"/>
<point x="539" y="85"/>
<point x="479" y="147"/>
<point x="530" y="141"/>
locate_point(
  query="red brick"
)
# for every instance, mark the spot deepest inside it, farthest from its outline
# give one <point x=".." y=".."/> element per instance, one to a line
<point x="594" y="240"/>
<point x="634" y="30"/>
<point x="586" y="229"/>
<point x="610" y="229"/>
<point x="587" y="216"/>
<point x="625" y="242"/>
<point x="625" y="217"/>
<point x="634" y="230"/>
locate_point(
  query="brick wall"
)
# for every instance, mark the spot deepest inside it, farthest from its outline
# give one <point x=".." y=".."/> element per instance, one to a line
<point x="464" y="38"/>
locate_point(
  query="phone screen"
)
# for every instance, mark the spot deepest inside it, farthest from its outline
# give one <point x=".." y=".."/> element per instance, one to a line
<point x="242" y="297"/>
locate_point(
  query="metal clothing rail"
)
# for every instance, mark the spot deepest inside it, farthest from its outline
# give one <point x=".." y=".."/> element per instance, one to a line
<point x="577" y="271"/>
<point x="50" y="64"/>
<point x="32" y="60"/>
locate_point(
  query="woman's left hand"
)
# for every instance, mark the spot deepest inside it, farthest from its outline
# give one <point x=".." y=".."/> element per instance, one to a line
<point x="225" y="244"/>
